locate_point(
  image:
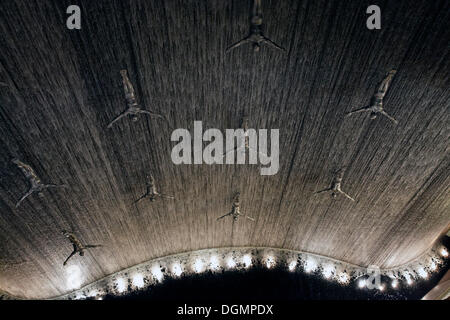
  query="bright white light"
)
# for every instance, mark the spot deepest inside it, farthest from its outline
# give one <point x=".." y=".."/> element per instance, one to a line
<point x="343" y="278"/>
<point x="433" y="266"/>
<point x="93" y="294"/>
<point x="198" y="265"/>
<point x="156" y="272"/>
<point x="270" y="262"/>
<point x="138" y="280"/>
<point x="328" y="271"/>
<point x="310" y="265"/>
<point x="444" y="252"/>
<point x="292" y="265"/>
<point x="74" y="277"/>
<point x="394" y="283"/>
<point x="381" y="287"/>
<point x="214" y="263"/>
<point x="121" y="285"/>
<point x="80" y="296"/>
<point x="423" y="273"/>
<point x="361" y="283"/>
<point x="408" y="279"/>
<point x="247" y="260"/>
<point x="176" y="269"/>
<point x="231" y="263"/>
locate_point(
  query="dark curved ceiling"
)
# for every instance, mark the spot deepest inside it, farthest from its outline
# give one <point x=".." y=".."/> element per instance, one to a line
<point x="63" y="87"/>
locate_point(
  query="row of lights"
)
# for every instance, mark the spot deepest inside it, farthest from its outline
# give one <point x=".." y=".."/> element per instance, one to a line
<point x="362" y="283"/>
<point x="329" y="271"/>
<point x="198" y="267"/>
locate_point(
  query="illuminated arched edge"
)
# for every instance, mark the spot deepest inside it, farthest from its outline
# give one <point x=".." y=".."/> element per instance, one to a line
<point x="235" y="258"/>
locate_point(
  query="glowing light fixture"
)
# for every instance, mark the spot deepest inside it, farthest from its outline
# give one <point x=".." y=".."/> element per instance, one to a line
<point x="381" y="287"/>
<point x="409" y="281"/>
<point x="343" y="278"/>
<point x="156" y="272"/>
<point x="361" y="283"/>
<point x="247" y="260"/>
<point x="433" y="266"/>
<point x="231" y="263"/>
<point x="121" y="285"/>
<point x="198" y="265"/>
<point x="310" y="265"/>
<point x="214" y="263"/>
<point x="394" y="283"/>
<point x="270" y="262"/>
<point x="138" y="280"/>
<point x="422" y="273"/>
<point x="328" y="271"/>
<point x="292" y="265"/>
<point x="444" y="252"/>
<point x="176" y="269"/>
<point x="80" y="296"/>
<point x="93" y="294"/>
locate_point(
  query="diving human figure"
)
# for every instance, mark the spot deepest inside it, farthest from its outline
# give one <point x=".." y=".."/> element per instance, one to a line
<point x="246" y="145"/>
<point x="376" y="105"/>
<point x="151" y="193"/>
<point x="133" y="110"/>
<point x="335" y="187"/>
<point x="78" y="247"/>
<point x="236" y="210"/>
<point x="256" y="36"/>
<point x="36" y="184"/>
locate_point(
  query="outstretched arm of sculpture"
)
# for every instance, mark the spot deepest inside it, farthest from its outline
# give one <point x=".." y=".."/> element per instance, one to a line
<point x="26" y="195"/>
<point x="384" y="113"/>
<point x="324" y="190"/>
<point x="162" y="195"/>
<point x="237" y="44"/>
<point x="120" y="116"/>
<point x="363" y="109"/>
<point x="226" y="215"/>
<point x="273" y="44"/>
<point x="346" y="195"/>
<point x="152" y="114"/>
<point x="92" y="246"/>
<point x="70" y="256"/>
